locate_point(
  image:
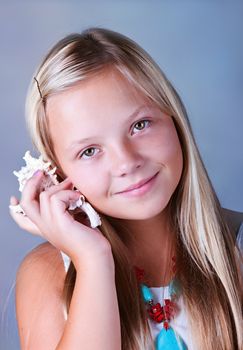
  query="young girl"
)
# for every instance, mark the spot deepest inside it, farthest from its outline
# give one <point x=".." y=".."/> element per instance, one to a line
<point x="163" y="269"/>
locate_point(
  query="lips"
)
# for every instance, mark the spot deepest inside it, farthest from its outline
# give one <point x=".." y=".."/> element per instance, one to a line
<point x="138" y="184"/>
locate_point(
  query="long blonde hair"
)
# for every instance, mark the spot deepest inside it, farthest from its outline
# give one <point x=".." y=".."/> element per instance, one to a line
<point x="209" y="274"/>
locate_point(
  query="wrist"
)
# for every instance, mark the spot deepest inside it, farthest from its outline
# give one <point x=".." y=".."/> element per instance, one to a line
<point x="94" y="260"/>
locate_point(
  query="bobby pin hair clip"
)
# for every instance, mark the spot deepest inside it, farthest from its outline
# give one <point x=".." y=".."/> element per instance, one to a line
<point x="38" y="86"/>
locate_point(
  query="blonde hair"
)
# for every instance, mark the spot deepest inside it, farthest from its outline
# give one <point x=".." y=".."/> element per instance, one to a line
<point x="209" y="274"/>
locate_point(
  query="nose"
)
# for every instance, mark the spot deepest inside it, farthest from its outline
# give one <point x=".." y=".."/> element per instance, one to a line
<point x="125" y="159"/>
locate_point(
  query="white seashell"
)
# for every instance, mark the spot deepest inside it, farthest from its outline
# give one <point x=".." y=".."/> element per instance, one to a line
<point x="32" y="165"/>
<point x="50" y="179"/>
<point x="88" y="209"/>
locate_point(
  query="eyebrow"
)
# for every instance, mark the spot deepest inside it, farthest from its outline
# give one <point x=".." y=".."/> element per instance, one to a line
<point x="87" y="139"/>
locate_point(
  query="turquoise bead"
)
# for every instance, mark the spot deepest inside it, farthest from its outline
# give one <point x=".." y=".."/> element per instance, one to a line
<point x="174" y="287"/>
<point x="147" y="295"/>
<point x="167" y="340"/>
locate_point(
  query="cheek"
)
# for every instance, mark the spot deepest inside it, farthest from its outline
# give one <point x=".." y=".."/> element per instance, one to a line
<point x="173" y="152"/>
<point x="90" y="183"/>
<point x="173" y="157"/>
<point x="166" y="147"/>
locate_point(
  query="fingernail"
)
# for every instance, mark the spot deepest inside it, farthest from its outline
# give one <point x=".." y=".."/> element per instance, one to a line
<point x="12" y="200"/>
<point x="37" y="172"/>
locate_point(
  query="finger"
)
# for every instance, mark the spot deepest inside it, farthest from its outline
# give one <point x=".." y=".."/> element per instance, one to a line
<point x="30" y="197"/>
<point x="60" y="201"/>
<point x="25" y="223"/>
<point x="13" y="201"/>
<point x="44" y="198"/>
<point x="55" y="188"/>
<point x="32" y="187"/>
<point x="31" y="190"/>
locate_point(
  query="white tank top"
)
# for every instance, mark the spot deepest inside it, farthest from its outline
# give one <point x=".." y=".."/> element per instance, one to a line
<point x="179" y="323"/>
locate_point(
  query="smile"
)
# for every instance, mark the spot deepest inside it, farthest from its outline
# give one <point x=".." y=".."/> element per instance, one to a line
<point x="139" y="190"/>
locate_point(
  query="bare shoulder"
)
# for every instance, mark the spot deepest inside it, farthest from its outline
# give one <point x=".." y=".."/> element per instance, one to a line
<point x="44" y="254"/>
<point x="44" y="265"/>
<point x="39" y="305"/>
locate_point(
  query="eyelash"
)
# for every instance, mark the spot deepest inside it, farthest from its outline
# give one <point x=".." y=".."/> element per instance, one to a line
<point x="140" y="121"/>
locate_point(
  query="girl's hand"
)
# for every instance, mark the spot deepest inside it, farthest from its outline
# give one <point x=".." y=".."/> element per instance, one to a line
<point x="47" y="216"/>
<point x="23" y="221"/>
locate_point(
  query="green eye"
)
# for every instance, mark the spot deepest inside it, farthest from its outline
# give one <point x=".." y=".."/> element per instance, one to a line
<point x="142" y="124"/>
<point x="89" y="152"/>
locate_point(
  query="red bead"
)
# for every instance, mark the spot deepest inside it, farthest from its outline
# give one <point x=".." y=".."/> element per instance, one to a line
<point x="156" y="312"/>
<point x="166" y="325"/>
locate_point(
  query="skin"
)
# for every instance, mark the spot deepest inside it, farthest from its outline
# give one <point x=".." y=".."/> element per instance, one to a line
<point x="122" y="152"/>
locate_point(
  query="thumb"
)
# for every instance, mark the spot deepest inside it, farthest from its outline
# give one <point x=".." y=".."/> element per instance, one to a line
<point x="13" y="200"/>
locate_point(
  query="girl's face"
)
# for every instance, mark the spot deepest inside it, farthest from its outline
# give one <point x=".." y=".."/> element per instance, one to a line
<point x="108" y="137"/>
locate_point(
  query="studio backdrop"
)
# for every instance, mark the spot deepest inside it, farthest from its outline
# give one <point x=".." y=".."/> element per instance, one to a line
<point x="198" y="45"/>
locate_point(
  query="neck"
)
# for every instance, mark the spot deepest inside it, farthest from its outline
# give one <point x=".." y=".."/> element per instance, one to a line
<point x="151" y="245"/>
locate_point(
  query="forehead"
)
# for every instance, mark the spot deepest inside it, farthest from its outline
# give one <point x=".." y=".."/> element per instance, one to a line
<point x="106" y="96"/>
<point x="108" y="85"/>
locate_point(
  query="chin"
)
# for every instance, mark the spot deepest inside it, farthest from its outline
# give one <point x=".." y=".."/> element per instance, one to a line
<point x="144" y="212"/>
<point x="144" y="215"/>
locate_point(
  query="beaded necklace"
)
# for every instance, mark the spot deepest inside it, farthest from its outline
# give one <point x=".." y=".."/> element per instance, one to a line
<point x="167" y="339"/>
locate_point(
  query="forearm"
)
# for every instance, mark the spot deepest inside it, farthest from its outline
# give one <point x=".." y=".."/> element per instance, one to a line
<point x="93" y="321"/>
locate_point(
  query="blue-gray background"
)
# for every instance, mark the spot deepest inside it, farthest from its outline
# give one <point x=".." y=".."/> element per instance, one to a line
<point x="199" y="45"/>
